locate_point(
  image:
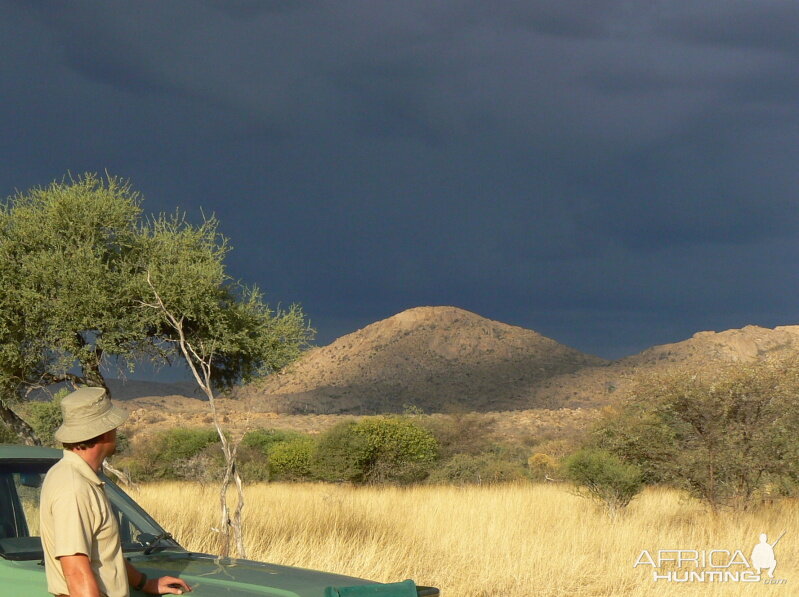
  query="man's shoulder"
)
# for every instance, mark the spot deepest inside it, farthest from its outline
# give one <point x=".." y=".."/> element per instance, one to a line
<point x="64" y="476"/>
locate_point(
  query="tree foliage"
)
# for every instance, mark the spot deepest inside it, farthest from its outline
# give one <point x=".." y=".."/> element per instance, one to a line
<point x="723" y="437"/>
<point x="70" y="257"/>
<point x="45" y="417"/>
<point x="225" y="322"/>
<point x="80" y="266"/>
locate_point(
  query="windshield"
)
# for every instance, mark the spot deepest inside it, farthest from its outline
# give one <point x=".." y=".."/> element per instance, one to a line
<point x="20" y="484"/>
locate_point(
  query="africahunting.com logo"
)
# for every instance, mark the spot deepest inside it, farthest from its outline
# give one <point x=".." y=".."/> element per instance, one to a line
<point x="714" y="565"/>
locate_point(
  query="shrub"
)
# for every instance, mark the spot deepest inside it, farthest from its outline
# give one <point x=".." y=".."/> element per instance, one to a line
<point x="123" y="443"/>
<point x="206" y="466"/>
<point x="461" y="433"/>
<point x="380" y="449"/>
<point x="277" y="454"/>
<point x="291" y="460"/>
<point x="7" y="436"/>
<point x="340" y="454"/>
<point x="541" y="465"/>
<point x="264" y="439"/>
<point x="723" y="436"/>
<point x="174" y="454"/>
<point x="605" y="478"/>
<point x="252" y="464"/>
<point x="486" y="468"/>
<point x="398" y="449"/>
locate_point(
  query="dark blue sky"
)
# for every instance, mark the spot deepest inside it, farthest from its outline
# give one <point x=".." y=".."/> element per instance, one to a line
<point x="612" y="174"/>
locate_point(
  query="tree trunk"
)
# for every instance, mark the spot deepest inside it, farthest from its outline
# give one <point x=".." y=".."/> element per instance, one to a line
<point x="200" y="360"/>
<point x="20" y="427"/>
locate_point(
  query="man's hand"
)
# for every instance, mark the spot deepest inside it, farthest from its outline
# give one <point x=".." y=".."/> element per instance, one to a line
<point x="167" y="585"/>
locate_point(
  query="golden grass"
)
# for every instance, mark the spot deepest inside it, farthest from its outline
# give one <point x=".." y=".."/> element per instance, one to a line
<point x="506" y="541"/>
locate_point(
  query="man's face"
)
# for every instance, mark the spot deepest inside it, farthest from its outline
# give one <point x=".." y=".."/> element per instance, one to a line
<point x="111" y="443"/>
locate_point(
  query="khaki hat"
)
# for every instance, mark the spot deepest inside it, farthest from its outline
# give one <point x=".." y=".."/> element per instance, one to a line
<point x="88" y="412"/>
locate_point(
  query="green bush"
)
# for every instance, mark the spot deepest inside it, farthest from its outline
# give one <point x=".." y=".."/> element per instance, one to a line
<point x="604" y="477"/>
<point x="341" y="454"/>
<point x="176" y="454"/>
<point x="252" y="464"/>
<point x="384" y="449"/>
<point x="275" y="454"/>
<point x="486" y="468"/>
<point x="399" y="449"/>
<point x="722" y="435"/>
<point x="206" y="466"/>
<point x="291" y="460"/>
<point x="7" y="436"/>
<point x="264" y="439"/>
<point x="123" y="443"/>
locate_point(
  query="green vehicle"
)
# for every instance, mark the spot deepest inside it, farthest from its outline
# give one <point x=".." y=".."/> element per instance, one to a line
<point x="149" y="547"/>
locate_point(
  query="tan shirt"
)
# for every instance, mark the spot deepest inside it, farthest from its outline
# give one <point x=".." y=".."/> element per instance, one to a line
<point x="76" y="518"/>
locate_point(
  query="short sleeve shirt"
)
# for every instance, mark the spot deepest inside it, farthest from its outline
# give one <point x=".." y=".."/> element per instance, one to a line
<point x="76" y="518"/>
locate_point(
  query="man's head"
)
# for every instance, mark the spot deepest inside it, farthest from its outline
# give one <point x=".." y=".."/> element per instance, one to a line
<point x="89" y="416"/>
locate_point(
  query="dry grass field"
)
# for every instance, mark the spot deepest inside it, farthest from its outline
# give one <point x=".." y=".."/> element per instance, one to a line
<point x="507" y="541"/>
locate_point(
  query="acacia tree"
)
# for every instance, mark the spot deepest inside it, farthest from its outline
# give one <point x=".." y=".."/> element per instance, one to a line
<point x="223" y="331"/>
<point x="723" y="437"/>
<point x="605" y="478"/>
<point x="87" y="281"/>
<point x="68" y="254"/>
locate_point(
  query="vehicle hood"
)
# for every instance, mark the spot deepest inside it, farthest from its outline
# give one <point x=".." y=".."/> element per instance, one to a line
<point x="213" y="576"/>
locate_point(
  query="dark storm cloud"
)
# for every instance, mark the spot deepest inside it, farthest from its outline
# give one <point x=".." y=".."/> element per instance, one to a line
<point x="606" y="172"/>
<point x="247" y="9"/>
<point x="766" y="25"/>
<point x="585" y="19"/>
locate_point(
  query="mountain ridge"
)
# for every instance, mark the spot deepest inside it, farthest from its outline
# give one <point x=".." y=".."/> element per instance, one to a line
<point x="446" y="359"/>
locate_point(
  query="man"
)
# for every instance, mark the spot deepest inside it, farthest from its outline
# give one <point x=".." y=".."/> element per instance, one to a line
<point x="80" y="534"/>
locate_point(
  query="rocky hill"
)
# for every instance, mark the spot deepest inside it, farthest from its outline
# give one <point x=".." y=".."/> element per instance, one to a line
<point x="437" y="359"/>
<point x="444" y="359"/>
<point x="597" y="386"/>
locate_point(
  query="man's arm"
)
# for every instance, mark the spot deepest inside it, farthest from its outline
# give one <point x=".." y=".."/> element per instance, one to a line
<point x="79" y="576"/>
<point x="166" y="585"/>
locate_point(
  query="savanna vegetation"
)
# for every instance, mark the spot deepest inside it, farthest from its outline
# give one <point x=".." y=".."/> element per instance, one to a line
<point x="507" y="539"/>
<point x="727" y="439"/>
<point x="378" y="450"/>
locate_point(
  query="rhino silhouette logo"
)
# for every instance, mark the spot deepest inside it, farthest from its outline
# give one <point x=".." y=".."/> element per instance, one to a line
<point x="763" y="555"/>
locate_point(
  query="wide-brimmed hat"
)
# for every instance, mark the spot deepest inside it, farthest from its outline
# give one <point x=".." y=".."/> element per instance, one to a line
<point x="88" y="412"/>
